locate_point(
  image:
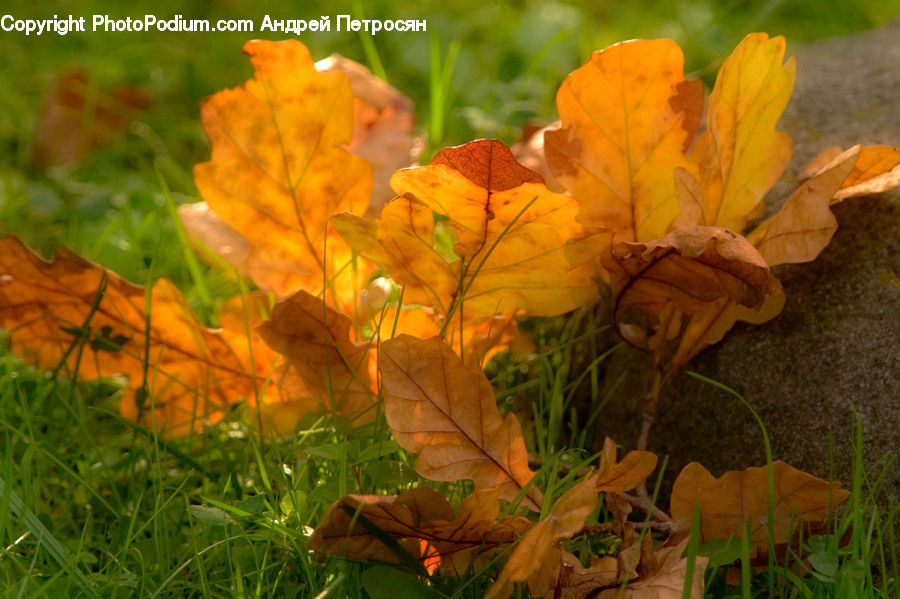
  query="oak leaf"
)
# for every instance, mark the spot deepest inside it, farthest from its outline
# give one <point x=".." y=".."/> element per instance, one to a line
<point x="537" y="557"/>
<point x="73" y="314"/>
<point x="618" y="477"/>
<point x="804" y="225"/>
<point x="446" y="412"/>
<point x="705" y="276"/>
<point x="279" y="170"/>
<point x="318" y="343"/>
<point x="740" y="155"/>
<point x="627" y="116"/>
<point x="741" y="498"/>
<point x="662" y="575"/>
<point x="383" y="123"/>
<point x="507" y="225"/>
<point x="422" y="523"/>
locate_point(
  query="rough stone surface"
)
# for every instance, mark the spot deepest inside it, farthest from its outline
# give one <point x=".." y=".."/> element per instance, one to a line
<point x="835" y="349"/>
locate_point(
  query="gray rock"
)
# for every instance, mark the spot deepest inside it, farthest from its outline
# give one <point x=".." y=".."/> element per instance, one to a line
<point x="834" y="350"/>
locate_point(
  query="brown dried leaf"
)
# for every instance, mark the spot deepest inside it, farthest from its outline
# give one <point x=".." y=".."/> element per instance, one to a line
<point x="421" y="521"/>
<point x="705" y="276"/>
<point x="537" y="558"/>
<point x="317" y="341"/>
<point x="662" y="575"/>
<point x="446" y="412"/>
<point x="736" y="499"/>
<point x="618" y="477"/>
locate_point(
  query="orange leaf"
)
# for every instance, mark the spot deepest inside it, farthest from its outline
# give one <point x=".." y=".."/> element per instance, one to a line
<point x="446" y="412"/>
<point x="279" y="170"/>
<point x="537" y="557"/>
<point x="741" y="155"/>
<point x="422" y="523"/>
<point x="75" y="314"/>
<point x="316" y="340"/>
<point x="627" y="115"/>
<point x="618" y="477"/>
<point x="701" y="274"/>
<point x="736" y="499"/>
<point x="383" y="122"/>
<point x="508" y="226"/>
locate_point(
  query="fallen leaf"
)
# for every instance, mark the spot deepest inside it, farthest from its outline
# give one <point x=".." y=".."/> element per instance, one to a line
<point x="446" y="412"/>
<point x="73" y="314"/>
<point x="279" y="170"/>
<point x="877" y="169"/>
<point x="383" y="123"/>
<point x="739" y="499"/>
<point x="318" y="343"/>
<point x="740" y="155"/>
<point x="662" y="576"/>
<point x="507" y="224"/>
<point x="78" y="117"/>
<point x="805" y="224"/>
<point x="420" y="521"/>
<point x="537" y="558"/>
<point x="627" y="116"/>
<point x="618" y="477"/>
<point x="703" y="275"/>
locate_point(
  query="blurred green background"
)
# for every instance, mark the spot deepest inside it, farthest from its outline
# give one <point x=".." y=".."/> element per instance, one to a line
<point x="481" y="69"/>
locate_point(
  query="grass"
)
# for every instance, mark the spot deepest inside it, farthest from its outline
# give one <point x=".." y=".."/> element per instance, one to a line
<point x="92" y="505"/>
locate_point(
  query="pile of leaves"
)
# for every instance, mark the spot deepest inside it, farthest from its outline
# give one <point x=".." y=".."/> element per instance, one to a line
<point x="394" y="285"/>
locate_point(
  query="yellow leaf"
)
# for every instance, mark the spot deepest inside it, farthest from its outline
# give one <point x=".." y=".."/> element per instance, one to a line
<point x="508" y="226"/>
<point x="736" y="499"/>
<point x="446" y="412"/>
<point x="627" y="115"/>
<point x="741" y="155"/>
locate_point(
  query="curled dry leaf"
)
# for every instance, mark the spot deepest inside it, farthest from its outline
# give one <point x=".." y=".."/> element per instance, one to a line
<point x="446" y="412"/>
<point x="618" y="477"/>
<point x="740" y="155"/>
<point x="317" y="341"/>
<point x="703" y="275"/>
<point x="739" y="499"/>
<point x="420" y="521"/>
<point x="661" y="575"/>
<point x="507" y="224"/>
<point x="627" y="116"/>
<point x="73" y="314"/>
<point x="537" y="558"/>
<point x="279" y="170"/>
